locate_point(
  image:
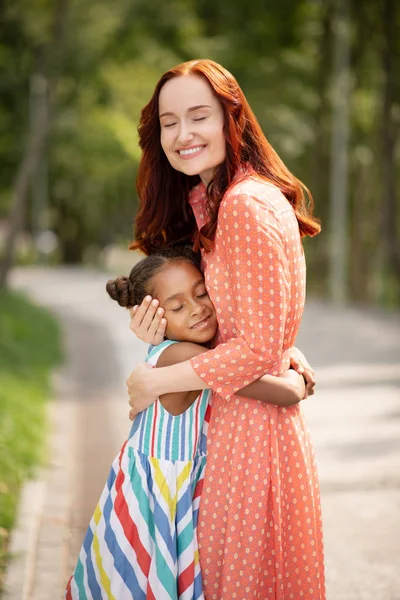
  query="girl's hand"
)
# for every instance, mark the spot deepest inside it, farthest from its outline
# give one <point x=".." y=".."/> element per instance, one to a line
<point x="300" y="364"/>
<point x="297" y="383"/>
<point x="140" y="390"/>
<point x="147" y="321"/>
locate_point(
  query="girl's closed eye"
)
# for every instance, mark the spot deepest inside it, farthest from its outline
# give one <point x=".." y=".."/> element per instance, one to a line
<point x="177" y="309"/>
<point x="203" y="295"/>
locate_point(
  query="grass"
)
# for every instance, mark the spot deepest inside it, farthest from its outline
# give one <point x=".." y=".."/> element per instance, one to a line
<point x="30" y="347"/>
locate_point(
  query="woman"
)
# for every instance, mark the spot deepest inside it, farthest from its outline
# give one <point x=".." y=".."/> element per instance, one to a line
<point x="209" y="175"/>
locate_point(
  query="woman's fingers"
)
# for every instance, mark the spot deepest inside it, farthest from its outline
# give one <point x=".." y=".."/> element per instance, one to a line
<point x="132" y="414"/>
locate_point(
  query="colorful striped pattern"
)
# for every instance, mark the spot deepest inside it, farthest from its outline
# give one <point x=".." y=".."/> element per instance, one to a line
<point x="141" y="543"/>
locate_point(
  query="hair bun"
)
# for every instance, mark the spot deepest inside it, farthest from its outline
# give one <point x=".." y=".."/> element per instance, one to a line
<point x="120" y="290"/>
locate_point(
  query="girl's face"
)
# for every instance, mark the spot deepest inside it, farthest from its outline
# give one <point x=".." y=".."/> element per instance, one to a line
<point x="192" y="123"/>
<point x="190" y="314"/>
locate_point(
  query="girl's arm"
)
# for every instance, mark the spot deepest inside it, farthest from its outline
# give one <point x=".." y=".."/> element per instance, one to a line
<point x="148" y="324"/>
<point x="284" y="390"/>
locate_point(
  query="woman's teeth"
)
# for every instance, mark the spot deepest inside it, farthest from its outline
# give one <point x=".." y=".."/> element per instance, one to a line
<point x="190" y="151"/>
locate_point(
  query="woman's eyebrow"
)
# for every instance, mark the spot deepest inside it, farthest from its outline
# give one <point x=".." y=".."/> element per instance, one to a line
<point x="191" y="109"/>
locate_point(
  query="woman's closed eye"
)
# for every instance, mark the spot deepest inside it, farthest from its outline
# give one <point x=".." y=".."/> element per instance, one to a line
<point x="200" y="119"/>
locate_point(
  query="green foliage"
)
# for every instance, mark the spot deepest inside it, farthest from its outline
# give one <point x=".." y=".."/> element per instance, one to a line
<point x="29" y="350"/>
<point x="281" y="53"/>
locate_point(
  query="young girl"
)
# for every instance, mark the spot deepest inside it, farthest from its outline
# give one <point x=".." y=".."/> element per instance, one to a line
<point x="142" y="540"/>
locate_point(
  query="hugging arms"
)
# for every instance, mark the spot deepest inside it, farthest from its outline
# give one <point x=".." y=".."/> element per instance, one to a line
<point x="149" y="324"/>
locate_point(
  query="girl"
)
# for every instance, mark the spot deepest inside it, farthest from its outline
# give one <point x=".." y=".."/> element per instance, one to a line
<point x="142" y="540"/>
<point x="208" y="174"/>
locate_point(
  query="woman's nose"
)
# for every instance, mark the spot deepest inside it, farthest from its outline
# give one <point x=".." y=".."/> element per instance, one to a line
<point x="185" y="135"/>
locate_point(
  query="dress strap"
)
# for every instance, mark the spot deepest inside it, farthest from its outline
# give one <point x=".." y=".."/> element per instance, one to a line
<point x="154" y="352"/>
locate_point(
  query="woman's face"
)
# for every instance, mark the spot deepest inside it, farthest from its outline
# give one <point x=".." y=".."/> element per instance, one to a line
<point x="179" y="287"/>
<point x="192" y="122"/>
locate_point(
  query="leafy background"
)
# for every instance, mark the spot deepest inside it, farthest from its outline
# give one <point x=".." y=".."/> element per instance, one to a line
<point x="101" y="61"/>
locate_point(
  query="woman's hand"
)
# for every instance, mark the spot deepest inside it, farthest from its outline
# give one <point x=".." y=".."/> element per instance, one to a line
<point x="299" y="363"/>
<point x="147" y="321"/>
<point x="140" y="389"/>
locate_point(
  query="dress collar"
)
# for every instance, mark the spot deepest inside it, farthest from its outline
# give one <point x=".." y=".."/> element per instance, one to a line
<point x="198" y="193"/>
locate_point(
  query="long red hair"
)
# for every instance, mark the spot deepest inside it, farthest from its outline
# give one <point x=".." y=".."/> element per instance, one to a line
<point x="165" y="217"/>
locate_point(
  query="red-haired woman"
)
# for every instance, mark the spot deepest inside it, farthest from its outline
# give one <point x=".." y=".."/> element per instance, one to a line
<point x="209" y="175"/>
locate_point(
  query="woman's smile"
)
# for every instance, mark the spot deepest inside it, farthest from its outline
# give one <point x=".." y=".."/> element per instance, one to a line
<point x="192" y="152"/>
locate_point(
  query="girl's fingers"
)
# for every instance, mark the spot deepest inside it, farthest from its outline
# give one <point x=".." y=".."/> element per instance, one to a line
<point x="297" y="366"/>
<point x="149" y="315"/>
<point x="160" y="334"/>
<point x="309" y="376"/>
<point x="158" y="327"/>
<point x="155" y="324"/>
<point x="310" y="390"/>
<point x="139" y="314"/>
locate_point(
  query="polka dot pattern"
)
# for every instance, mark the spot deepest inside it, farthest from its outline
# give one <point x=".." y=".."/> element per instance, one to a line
<point x="260" y="530"/>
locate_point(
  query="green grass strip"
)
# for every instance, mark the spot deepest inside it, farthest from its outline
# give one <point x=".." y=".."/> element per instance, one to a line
<point x="30" y="347"/>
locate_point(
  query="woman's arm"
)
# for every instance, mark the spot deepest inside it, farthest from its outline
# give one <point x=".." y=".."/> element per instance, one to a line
<point x="260" y="312"/>
<point x="253" y="239"/>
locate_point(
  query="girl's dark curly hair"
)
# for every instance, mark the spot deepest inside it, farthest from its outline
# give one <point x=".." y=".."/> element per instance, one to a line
<point x="129" y="291"/>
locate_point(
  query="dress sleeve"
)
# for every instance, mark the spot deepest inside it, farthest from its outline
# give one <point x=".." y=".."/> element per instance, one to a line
<point x="253" y="246"/>
<point x="154" y="352"/>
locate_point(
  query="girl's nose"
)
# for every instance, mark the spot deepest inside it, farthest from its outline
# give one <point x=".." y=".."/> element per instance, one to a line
<point x="196" y="308"/>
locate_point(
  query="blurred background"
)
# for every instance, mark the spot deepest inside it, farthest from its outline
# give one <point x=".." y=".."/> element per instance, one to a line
<point x="321" y="75"/>
<point x="323" y="78"/>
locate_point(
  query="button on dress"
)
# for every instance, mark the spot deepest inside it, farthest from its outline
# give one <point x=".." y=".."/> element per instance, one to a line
<point x="260" y="529"/>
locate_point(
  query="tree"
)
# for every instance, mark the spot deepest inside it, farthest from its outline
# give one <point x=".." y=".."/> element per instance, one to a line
<point x="50" y="58"/>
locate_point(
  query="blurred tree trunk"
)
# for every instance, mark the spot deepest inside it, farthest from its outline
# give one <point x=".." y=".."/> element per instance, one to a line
<point x="389" y="133"/>
<point x="362" y="174"/>
<point x="37" y="139"/>
<point x="339" y="152"/>
<point x="321" y="158"/>
<point x="320" y="155"/>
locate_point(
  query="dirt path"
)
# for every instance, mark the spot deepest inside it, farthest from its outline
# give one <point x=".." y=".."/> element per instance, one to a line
<point x="354" y="419"/>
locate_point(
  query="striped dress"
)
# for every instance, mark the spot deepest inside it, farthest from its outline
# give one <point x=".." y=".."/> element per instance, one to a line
<point x="141" y="543"/>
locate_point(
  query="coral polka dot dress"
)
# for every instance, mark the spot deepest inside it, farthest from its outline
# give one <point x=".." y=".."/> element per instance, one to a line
<point x="260" y="530"/>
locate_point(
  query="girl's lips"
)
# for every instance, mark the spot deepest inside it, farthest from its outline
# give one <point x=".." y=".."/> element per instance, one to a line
<point x="202" y="324"/>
